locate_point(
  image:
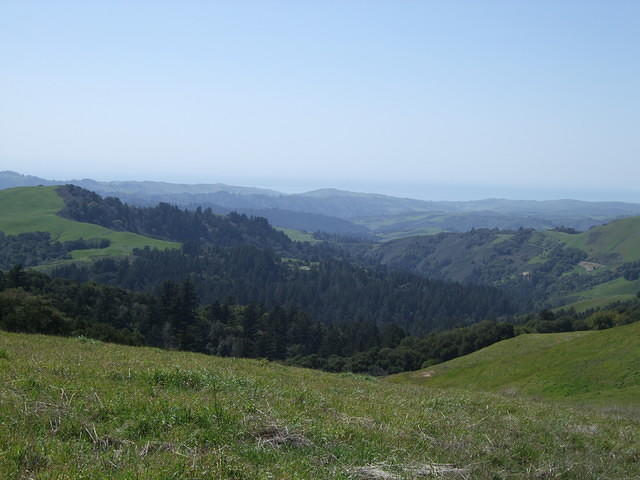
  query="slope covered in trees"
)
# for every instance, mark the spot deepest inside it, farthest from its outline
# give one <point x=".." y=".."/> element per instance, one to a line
<point x="173" y="317"/>
<point x="332" y="291"/>
<point x="541" y="269"/>
<point x="169" y="222"/>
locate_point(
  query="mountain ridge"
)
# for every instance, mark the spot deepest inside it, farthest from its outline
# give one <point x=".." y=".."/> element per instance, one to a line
<point x="384" y="216"/>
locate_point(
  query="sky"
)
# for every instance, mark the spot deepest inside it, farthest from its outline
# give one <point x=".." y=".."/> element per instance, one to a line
<point x="429" y="99"/>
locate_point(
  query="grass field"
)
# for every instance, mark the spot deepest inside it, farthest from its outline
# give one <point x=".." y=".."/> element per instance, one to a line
<point x="31" y="209"/>
<point x="297" y="235"/>
<point x="74" y="408"/>
<point x="595" y="367"/>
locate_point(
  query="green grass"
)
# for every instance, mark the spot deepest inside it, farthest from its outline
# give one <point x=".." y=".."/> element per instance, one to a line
<point x="76" y="408"/>
<point x="31" y="209"/>
<point x="297" y="235"/>
<point x="617" y="290"/>
<point x="595" y="367"/>
<point x="620" y="238"/>
<point x="594" y="303"/>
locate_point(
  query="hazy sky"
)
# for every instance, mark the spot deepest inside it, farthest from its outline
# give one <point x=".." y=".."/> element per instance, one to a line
<point x="440" y="99"/>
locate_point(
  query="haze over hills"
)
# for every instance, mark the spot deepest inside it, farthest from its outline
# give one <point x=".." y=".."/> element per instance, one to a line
<point x="541" y="268"/>
<point x="244" y="219"/>
<point x="359" y="214"/>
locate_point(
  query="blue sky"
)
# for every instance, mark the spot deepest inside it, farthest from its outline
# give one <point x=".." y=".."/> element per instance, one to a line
<point x="431" y="99"/>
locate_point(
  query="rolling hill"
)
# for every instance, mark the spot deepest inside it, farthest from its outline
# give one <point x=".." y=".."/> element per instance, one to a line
<point x="344" y="212"/>
<point x="596" y="367"/>
<point x="77" y="408"/>
<point x="35" y="209"/>
<point x="554" y="267"/>
<point x="614" y="243"/>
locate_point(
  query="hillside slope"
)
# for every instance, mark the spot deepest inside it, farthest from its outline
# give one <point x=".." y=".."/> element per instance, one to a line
<point x="35" y="209"/>
<point x="554" y="267"/>
<point x="614" y="243"/>
<point x="73" y="408"/>
<point x="601" y="367"/>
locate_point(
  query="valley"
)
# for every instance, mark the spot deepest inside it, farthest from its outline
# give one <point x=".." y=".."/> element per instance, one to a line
<point x="194" y="344"/>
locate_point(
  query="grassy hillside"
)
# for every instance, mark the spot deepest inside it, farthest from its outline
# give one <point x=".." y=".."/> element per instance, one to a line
<point x="618" y="290"/>
<point x="615" y="242"/>
<point x="73" y="408"/>
<point x="599" y="367"/>
<point x="30" y="209"/>
<point x="550" y="258"/>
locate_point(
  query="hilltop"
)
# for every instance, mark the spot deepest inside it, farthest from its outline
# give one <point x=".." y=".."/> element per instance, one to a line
<point x="595" y="367"/>
<point x="80" y="408"/>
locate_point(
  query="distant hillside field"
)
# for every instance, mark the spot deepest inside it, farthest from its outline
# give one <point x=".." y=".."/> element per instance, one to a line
<point x="77" y="408"/>
<point x="34" y="209"/>
<point x="615" y="242"/>
<point x="598" y="367"/>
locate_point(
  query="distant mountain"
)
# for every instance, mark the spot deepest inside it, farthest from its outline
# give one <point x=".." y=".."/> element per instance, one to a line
<point x="10" y="179"/>
<point x="343" y="212"/>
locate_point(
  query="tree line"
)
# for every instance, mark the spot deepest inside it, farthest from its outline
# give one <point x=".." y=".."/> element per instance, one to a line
<point x="35" y="248"/>
<point x="173" y="317"/>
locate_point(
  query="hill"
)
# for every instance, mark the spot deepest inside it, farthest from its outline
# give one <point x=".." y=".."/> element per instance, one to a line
<point x="597" y="367"/>
<point x="615" y="243"/>
<point x="552" y="268"/>
<point x="225" y="257"/>
<point x="340" y="211"/>
<point x="35" y="209"/>
<point x="76" y="408"/>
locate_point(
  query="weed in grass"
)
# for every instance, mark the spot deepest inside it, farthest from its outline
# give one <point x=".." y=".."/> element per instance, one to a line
<point x="91" y="341"/>
<point x="179" y="378"/>
<point x="3" y="354"/>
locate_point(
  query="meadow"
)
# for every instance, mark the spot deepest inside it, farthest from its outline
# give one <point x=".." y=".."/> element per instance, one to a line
<point x="588" y="368"/>
<point x="76" y="408"/>
<point x="36" y="209"/>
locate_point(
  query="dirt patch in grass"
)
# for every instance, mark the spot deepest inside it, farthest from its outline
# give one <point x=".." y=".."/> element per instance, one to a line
<point x="383" y="471"/>
<point x="275" y="435"/>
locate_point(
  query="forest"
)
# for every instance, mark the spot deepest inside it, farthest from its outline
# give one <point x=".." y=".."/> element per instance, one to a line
<point x="174" y="318"/>
<point x="35" y="248"/>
